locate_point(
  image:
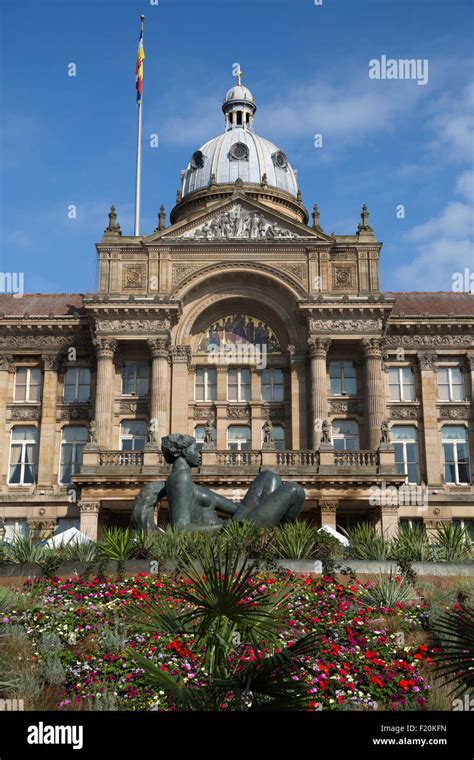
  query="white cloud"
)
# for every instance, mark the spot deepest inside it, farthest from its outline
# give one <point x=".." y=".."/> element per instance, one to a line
<point x="465" y="185"/>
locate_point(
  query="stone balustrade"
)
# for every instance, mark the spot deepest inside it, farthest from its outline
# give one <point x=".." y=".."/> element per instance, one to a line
<point x="297" y="458"/>
<point x="120" y="458"/>
<point x="356" y="458"/>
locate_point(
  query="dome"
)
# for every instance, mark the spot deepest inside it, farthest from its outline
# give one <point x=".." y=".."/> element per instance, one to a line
<point x="239" y="153"/>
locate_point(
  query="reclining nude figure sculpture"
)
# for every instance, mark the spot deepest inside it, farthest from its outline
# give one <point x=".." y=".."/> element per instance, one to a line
<point x="268" y="500"/>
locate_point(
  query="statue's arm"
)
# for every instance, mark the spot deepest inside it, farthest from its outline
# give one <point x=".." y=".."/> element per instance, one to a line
<point x="208" y="498"/>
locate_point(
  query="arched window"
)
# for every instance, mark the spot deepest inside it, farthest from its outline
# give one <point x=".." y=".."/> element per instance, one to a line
<point x="456" y="454"/>
<point x="238" y="438"/>
<point x="133" y="435"/>
<point x="73" y="440"/>
<point x="405" y="443"/>
<point x="23" y="455"/>
<point x="345" y="435"/>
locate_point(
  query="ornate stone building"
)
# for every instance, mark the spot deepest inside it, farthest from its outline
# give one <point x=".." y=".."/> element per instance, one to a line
<point x="238" y="313"/>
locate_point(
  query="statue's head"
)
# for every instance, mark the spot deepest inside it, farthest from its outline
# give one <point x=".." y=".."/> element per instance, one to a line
<point x="179" y="445"/>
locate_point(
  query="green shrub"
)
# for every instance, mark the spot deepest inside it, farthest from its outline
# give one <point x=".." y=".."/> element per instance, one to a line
<point x="23" y="551"/>
<point x="116" y="544"/>
<point x="366" y="543"/>
<point x="295" y="540"/>
<point x="388" y="590"/>
<point x="452" y="544"/>
<point x="411" y="544"/>
<point x="80" y="552"/>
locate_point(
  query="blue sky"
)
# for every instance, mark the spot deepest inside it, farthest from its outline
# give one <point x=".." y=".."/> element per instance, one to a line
<point x="71" y="140"/>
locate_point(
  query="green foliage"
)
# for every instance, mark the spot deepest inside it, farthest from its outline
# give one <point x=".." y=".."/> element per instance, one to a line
<point x="386" y="591"/>
<point x="453" y="637"/>
<point x="452" y="544"/>
<point x="23" y="551"/>
<point x="366" y="543"/>
<point x="116" y="544"/>
<point x="411" y="544"/>
<point x="295" y="540"/>
<point x="80" y="552"/>
<point x="6" y="598"/>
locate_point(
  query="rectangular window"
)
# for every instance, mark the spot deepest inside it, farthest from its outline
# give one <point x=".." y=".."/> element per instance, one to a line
<point x="272" y="385"/>
<point x="401" y="384"/>
<point x="133" y="435"/>
<point x="77" y="384"/>
<point x="405" y="443"/>
<point x="342" y="378"/>
<point x="456" y="455"/>
<point x="28" y="384"/>
<point x="135" y="378"/>
<point x="73" y="441"/>
<point x="450" y="384"/>
<point x="238" y="438"/>
<point x="345" y="435"/>
<point x="205" y="388"/>
<point x="23" y="455"/>
<point x="238" y="385"/>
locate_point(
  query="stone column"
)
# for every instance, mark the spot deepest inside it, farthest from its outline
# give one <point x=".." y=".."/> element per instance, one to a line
<point x="6" y="368"/>
<point x="299" y="434"/>
<point x="469" y="391"/>
<point x="389" y="521"/>
<point x="318" y="349"/>
<point x="89" y="518"/>
<point x="105" y="390"/>
<point x="433" y="454"/>
<point x="375" y="392"/>
<point x="47" y="441"/>
<point x="221" y="406"/>
<point x="180" y="358"/>
<point x="159" y="391"/>
<point x="328" y="509"/>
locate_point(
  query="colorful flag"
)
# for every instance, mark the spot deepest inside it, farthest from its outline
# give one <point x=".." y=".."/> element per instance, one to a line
<point x="139" y="69"/>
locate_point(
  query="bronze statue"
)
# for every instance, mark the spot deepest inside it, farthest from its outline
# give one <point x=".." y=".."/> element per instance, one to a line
<point x="268" y="500"/>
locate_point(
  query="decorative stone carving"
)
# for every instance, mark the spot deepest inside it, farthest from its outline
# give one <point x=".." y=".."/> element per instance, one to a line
<point x="238" y="412"/>
<point x="133" y="407"/>
<point x="296" y="354"/>
<point x="318" y="347"/>
<point x="427" y="360"/>
<point x="428" y="341"/>
<point x="404" y="412"/>
<point x="390" y="509"/>
<point x="6" y="363"/>
<point x="204" y="413"/>
<point x="454" y="412"/>
<point x="159" y="347"/>
<point x="343" y="277"/>
<point x="296" y="270"/>
<point x="344" y="406"/>
<point x="25" y="413"/>
<point x="133" y="276"/>
<point x="179" y="271"/>
<point x="76" y="412"/>
<point x="105" y="348"/>
<point x="90" y="507"/>
<point x="50" y="362"/>
<point x="241" y="224"/>
<point x="328" y="506"/>
<point x="180" y="353"/>
<point x="132" y="325"/>
<point x="345" y="325"/>
<point x="273" y="412"/>
<point x="372" y="348"/>
<point x="469" y="359"/>
<point x="39" y="342"/>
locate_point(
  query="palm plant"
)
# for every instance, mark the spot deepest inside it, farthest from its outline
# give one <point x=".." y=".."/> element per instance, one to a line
<point x="453" y="637"/>
<point x="22" y="550"/>
<point x="411" y="544"/>
<point x="223" y="617"/>
<point x="116" y="544"/>
<point x="294" y="540"/>
<point x="452" y="543"/>
<point x="81" y="551"/>
<point x="388" y="590"/>
<point x="366" y="543"/>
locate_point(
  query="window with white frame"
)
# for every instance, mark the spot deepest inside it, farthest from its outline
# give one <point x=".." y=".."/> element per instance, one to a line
<point x="272" y="385"/>
<point x="133" y="435"/>
<point x="238" y="438"/>
<point x="200" y="433"/>
<point x="73" y="440"/>
<point x="401" y="384"/>
<point x="238" y="384"/>
<point x="456" y="454"/>
<point x="450" y="384"/>
<point x="345" y="435"/>
<point x="23" y="455"/>
<point x="342" y="378"/>
<point x="278" y="437"/>
<point x="28" y="384"/>
<point x="77" y="384"/>
<point x="14" y="528"/>
<point x="205" y="384"/>
<point x="467" y="524"/>
<point x="405" y="443"/>
<point x="135" y="378"/>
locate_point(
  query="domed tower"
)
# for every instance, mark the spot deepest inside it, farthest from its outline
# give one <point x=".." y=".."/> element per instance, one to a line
<point x="239" y="156"/>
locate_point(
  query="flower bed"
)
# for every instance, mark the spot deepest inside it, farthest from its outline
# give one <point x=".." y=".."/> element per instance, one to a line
<point x="360" y="660"/>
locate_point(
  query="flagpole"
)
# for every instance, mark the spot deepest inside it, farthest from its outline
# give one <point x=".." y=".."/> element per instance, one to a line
<point x="139" y="158"/>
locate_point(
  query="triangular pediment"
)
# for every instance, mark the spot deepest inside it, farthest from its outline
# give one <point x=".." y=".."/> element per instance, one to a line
<point x="239" y="219"/>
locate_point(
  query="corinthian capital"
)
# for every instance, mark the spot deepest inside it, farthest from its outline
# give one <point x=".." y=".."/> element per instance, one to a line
<point x="373" y="348"/>
<point x="158" y="347"/>
<point x="180" y="354"/>
<point x="6" y="363"/>
<point x="50" y="362"/>
<point x="427" y="360"/>
<point x="318" y="347"/>
<point x="105" y="348"/>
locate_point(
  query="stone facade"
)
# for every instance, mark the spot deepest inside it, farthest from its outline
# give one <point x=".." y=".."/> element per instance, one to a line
<point x="133" y="362"/>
